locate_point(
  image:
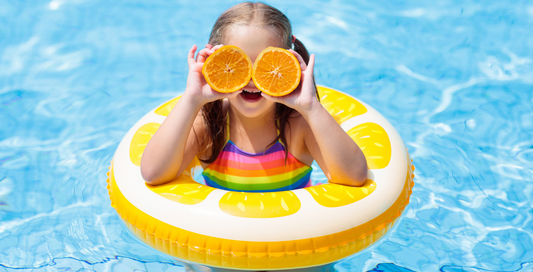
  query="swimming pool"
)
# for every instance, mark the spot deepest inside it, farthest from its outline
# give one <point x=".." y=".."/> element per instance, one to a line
<point x="454" y="78"/>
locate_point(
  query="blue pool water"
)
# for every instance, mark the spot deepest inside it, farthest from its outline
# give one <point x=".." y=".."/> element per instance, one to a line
<point x="454" y="77"/>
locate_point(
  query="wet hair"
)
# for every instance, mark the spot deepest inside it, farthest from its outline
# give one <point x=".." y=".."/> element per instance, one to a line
<point x="247" y="14"/>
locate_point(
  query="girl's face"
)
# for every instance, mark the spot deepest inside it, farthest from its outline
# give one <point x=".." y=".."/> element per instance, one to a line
<point x="252" y="40"/>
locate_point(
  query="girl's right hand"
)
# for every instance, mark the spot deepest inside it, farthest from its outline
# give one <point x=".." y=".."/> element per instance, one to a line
<point x="197" y="87"/>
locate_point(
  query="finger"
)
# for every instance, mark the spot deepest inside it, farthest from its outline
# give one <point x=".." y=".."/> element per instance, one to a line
<point x="190" y="56"/>
<point x="300" y="59"/>
<point x="234" y="94"/>
<point x="229" y="95"/>
<point x="215" y="48"/>
<point x="212" y="50"/>
<point x="206" y="52"/>
<point x="272" y="98"/>
<point x="311" y="66"/>
<point x="202" y="55"/>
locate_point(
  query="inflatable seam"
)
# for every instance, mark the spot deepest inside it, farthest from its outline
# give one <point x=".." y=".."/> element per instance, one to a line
<point x="162" y="241"/>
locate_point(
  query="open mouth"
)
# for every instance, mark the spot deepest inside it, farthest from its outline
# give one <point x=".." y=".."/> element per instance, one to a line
<point x="251" y="95"/>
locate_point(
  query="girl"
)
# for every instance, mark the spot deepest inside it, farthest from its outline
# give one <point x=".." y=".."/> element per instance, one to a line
<point x="247" y="140"/>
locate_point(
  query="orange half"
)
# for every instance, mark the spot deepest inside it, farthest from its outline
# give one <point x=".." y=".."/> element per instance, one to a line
<point x="276" y="72"/>
<point x="227" y="70"/>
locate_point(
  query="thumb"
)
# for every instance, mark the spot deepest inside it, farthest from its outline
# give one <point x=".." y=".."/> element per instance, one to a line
<point x="229" y="95"/>
<point x="271" y="98"/>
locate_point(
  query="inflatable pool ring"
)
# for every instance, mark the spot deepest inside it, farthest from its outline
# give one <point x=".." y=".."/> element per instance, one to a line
<point x="266" y="231"/>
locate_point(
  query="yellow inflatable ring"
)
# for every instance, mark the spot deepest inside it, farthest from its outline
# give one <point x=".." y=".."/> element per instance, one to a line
<point x="262" y="231"/>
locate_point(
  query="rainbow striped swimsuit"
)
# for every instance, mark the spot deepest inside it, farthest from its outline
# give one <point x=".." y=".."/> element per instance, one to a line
<point x="238" y="170"/>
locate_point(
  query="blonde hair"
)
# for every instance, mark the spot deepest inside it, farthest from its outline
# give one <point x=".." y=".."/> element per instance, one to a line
<point x="257" y="14"/>
<point x="247" y="14"/>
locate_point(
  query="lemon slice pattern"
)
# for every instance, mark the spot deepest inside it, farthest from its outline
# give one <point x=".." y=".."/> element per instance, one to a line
<point x="183" y="190"/>
<point x="334" y="195"/>
<point x="340" y="106"/>
<point x="371" y="137"/>
<point x="374" y="142"/>
<point x="165" y="109"/>
<point x="260" y="205"/>
<point x="207" y="247"/>
<point x="140" y="140"/>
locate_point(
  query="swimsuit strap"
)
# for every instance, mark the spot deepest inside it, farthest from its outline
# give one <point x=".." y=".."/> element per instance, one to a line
<point x="236" y="170"/>
<point x="227" y="128"/>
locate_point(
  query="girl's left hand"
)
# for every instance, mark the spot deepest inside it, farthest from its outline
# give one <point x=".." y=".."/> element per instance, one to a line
<point x="303" y="98"/>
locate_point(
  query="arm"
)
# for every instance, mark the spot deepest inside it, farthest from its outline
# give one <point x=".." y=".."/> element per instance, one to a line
<point x="175" y="144"/>
<point x="338" y="155"/>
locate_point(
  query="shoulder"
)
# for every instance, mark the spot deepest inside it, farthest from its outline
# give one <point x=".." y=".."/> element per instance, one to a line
<point x="297" y="123"/>
<point x="199" y="125"/>
<point x="299" y="133"/>
<point x="298" y="128"/>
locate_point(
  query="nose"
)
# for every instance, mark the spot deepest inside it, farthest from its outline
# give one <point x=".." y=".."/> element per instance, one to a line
<point x="250" y="84"/>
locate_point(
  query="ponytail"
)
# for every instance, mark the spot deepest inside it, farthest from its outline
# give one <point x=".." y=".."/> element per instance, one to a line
<point x="299" y="47"/>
